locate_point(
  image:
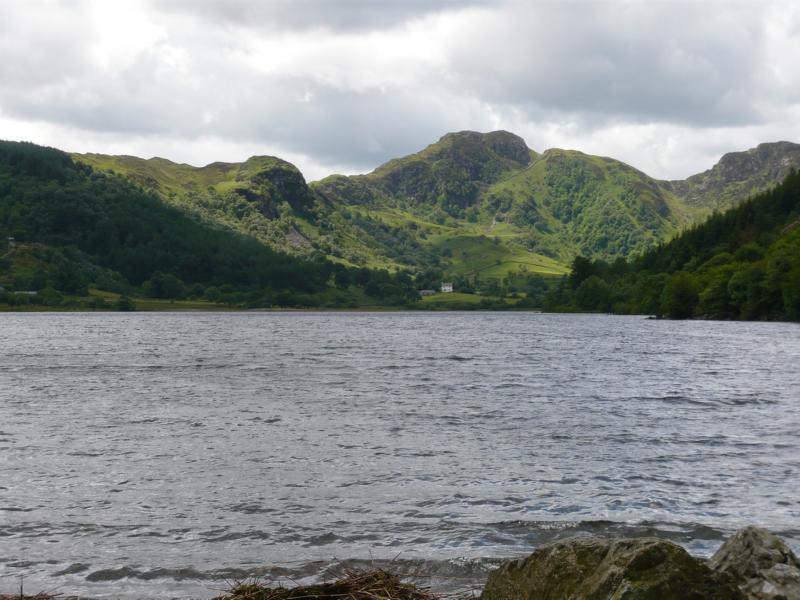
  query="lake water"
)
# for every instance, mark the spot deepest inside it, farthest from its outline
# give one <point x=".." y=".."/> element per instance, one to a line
<point x="157" y="455"/>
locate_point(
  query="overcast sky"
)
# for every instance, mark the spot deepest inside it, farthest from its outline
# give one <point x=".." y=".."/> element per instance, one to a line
<point x="343" y="85"/>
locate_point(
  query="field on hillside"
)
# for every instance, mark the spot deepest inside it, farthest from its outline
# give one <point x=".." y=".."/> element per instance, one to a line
<point x="460" y="301"/>
<point x="485" y="249"/>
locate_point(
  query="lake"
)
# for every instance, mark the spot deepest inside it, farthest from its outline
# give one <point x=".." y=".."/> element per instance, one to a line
<point x="158" y="455"/>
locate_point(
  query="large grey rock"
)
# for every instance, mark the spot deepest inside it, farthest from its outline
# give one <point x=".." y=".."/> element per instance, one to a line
<point x="624" y="569"/>
<point x="762" y="565"/>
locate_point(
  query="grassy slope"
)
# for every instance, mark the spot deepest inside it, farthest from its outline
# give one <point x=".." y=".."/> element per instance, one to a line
<point x="210" y="193"/>
<point x="537" y="218"/>
<point x="573" y="202"/>
<point x="456" y="299"/>
<point x="472" y="252"/>
<point x="166" y="176"/>
<point x="483" y="248"/>
<point x="531" y="214"/>
<point x="424" y="195"/>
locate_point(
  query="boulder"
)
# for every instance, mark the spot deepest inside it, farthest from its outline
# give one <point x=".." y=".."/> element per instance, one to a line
<point x="762" y="565"/>
<point x="587" y="568"/>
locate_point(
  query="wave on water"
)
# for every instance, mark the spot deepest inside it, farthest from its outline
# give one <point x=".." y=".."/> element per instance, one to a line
<point x="190" y="450"/>
<point x="503" y="540"/>
<point x="455" y="575"/>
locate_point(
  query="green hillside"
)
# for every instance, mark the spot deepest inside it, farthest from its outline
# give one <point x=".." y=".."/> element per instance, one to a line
<point x="356" y="221"/>
<point x="469" y="205"/>
<point x="740" y="264"/>
<point x="69" y="230"/>
<point x="569" y="202"/>
<point x="538" y="210"/>
<point x="258" y="197"/>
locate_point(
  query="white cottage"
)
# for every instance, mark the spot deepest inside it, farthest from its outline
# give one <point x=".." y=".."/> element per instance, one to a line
<point x="447" y="287"/>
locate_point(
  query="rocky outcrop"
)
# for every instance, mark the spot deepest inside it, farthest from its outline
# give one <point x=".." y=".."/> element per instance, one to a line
<point x="753" y="564"/>
<point x="264" y="203"/>
<point x="738" y="175"/>
<point x="282" y="181"/>
<point x="510" y="146"/>
<point x="268" y="182"/>
<point x="344" y="190"/>
<point x="452" y="171"/>
<point x="588" y="568"/>
<point x="762" y="565"/>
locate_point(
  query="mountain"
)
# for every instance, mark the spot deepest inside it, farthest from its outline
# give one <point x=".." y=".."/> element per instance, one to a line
<point x="450" y="173"/>
<point x="737" y="176"/>
<point x="256" y="197"/>
<point x="743" y="263"/>
<point x="75" y="228"/>
<point x="469" y="206"/>
<point x="571" y="202"/>
<point x="540" y="206"/>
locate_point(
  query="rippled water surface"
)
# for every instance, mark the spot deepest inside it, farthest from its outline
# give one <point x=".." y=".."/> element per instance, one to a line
<point x="156" y="455"/>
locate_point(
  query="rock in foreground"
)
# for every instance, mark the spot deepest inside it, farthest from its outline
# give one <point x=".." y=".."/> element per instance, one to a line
<point x="762" y="565"/>
<point x="618" y="569"/>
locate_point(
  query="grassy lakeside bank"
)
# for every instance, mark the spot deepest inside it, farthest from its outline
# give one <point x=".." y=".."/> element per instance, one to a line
<point x="101" y="301"/>
<point x="458" y="302"/>
<point x="104" y="301"/>
<point x="188" y="307"/>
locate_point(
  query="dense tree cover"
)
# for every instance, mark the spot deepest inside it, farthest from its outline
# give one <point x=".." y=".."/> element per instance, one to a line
<point x="740" y="264"/>
<point x="81" y="228"/>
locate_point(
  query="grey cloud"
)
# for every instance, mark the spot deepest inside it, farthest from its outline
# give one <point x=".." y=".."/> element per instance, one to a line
<point x="131" y="101"/>
<point x="37" y="52"/>
<point x="333" y="125"/>
<point x="684" y="63"/>
<point x="358" y="128"/>
<point x="342" y="15"/>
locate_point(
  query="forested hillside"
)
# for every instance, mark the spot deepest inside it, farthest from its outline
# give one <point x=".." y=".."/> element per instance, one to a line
<point x="76" y="229"/>
<point x="740" y="264"/>
<point x="481" y="210"/>
<point x="471" y="206"/>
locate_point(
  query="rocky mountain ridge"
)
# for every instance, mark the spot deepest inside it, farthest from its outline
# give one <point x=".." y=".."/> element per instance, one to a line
<point x="737" y="176"/>
<point x="471" y="204"/>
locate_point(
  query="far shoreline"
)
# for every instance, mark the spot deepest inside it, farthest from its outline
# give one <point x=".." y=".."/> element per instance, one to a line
<point x="361" y="309"/>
